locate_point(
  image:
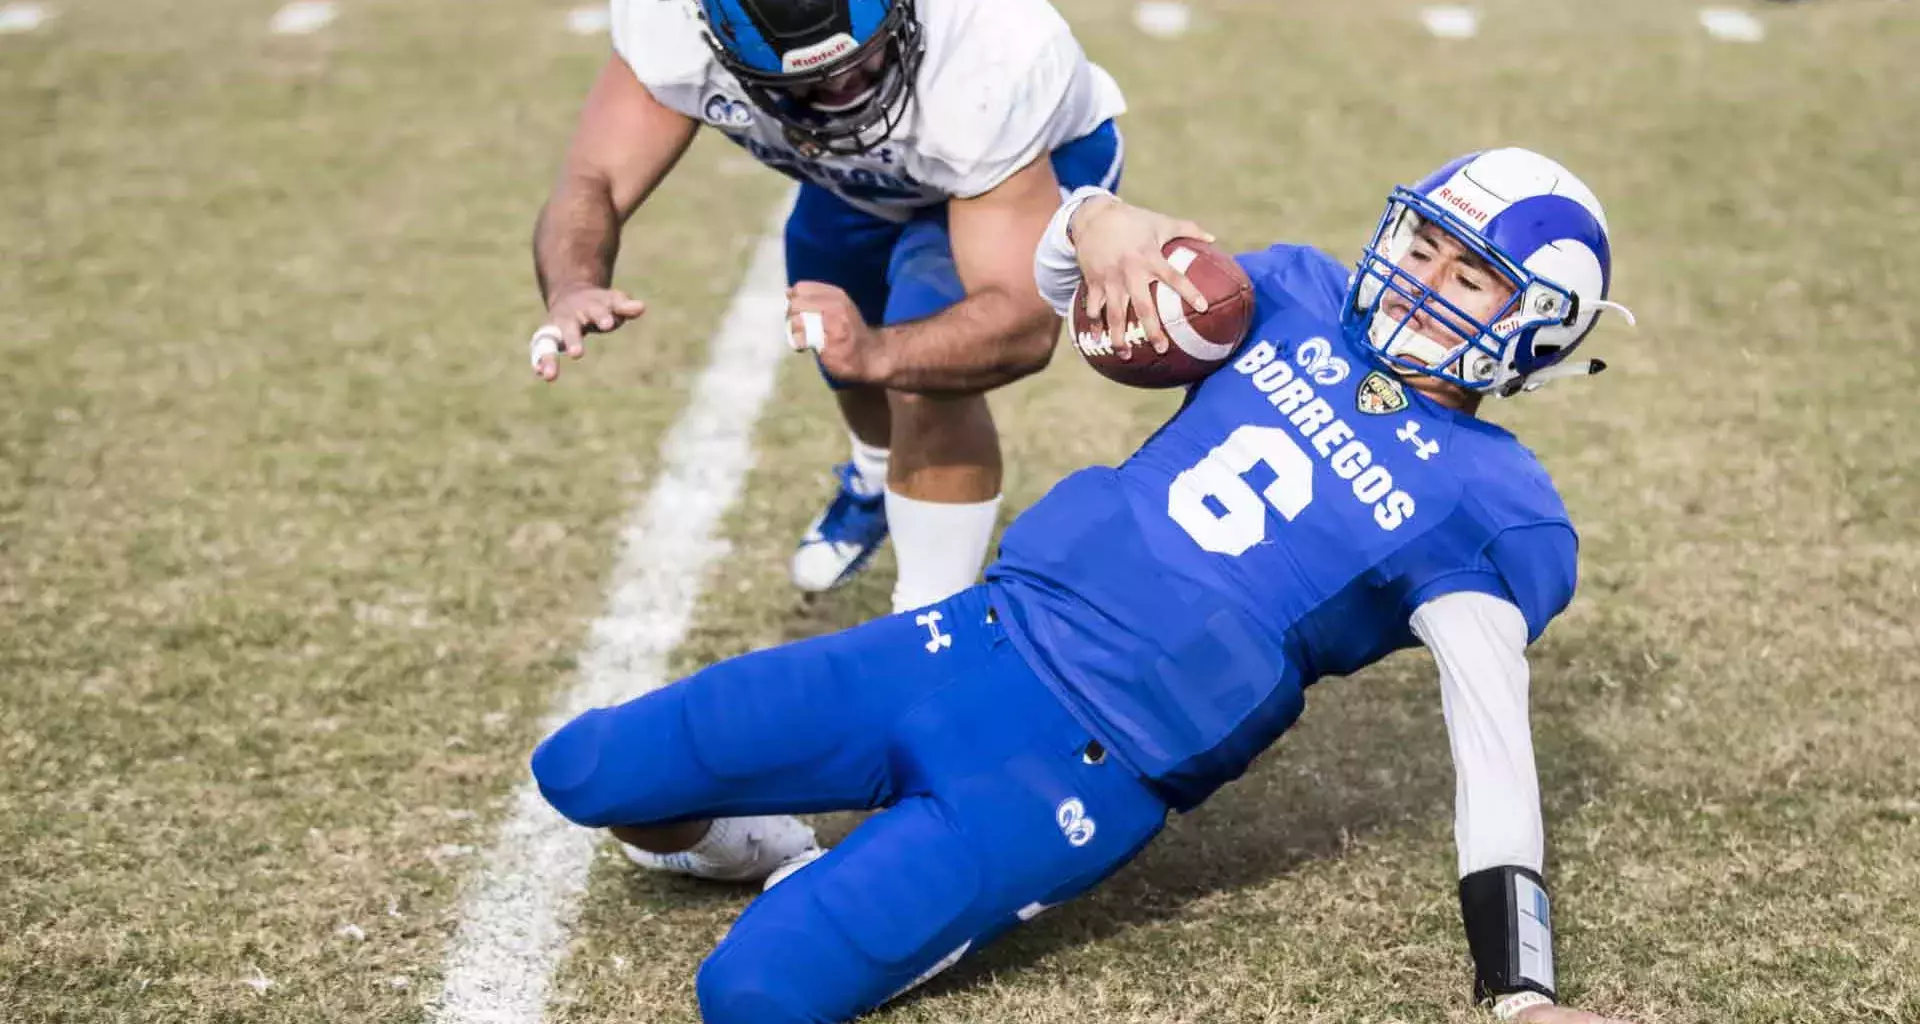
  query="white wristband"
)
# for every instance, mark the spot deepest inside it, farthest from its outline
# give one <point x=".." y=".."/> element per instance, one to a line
<point x="1510" y="1006"/>
<point x="1071" y="206"/>
<point x="1056" y="267"/>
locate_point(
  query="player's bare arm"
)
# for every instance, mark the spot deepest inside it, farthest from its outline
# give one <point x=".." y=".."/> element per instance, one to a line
<point x="1002" y="331"/>
<point x="624" y="146"/>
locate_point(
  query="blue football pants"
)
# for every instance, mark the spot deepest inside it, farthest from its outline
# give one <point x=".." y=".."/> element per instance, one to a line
<point x="899" y="272"/>
<point x="997" y="803"/>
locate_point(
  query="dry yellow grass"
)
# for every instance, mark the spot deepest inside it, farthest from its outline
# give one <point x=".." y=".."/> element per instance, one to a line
<point x="293" y="552"/>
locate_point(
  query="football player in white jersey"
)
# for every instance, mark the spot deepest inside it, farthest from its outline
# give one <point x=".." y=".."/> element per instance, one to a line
<point x="932" y="140"/>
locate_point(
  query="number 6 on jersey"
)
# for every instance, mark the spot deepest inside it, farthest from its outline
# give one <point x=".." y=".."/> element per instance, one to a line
<point x="1242" y="521"/>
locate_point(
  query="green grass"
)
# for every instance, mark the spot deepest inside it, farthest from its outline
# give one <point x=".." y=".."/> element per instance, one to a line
<point x="294" y="553"/>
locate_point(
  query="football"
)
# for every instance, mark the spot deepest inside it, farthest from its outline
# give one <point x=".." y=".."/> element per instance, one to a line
<point x="1201" y="341"/>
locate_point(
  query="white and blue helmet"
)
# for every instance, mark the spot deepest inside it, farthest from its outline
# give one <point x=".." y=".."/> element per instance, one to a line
<point x="1530" y="220"/>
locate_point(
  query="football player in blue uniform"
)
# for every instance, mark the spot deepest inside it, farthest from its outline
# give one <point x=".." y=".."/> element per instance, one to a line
<point x="932" y="141"/>
<point x="1325" y="498"/>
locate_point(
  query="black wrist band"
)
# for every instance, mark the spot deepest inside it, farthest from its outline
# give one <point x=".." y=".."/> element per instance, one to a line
<point x="1509" y="932"/>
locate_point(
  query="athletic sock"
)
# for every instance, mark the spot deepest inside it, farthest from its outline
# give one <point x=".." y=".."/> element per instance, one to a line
<point x="869" y="468"/>
<point x="940" y="547"/>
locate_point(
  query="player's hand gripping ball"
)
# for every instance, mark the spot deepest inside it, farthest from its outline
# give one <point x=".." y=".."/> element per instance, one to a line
<point x="1201" y="340"/>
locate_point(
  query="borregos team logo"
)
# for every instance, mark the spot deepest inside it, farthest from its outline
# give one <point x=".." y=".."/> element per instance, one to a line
<point x="1074" y="821"/>
<point x="723" y="111"/>
<point x="1315" y="356"/>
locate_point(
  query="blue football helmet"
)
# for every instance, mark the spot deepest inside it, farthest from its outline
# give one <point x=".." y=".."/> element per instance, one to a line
<point x="780" y="49"/>
<point x="1533" y="223"/>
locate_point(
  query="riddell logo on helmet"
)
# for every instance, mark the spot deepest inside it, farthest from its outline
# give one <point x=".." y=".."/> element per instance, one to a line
<point x="1464" y="205"/>
<point x="819" y="54"/>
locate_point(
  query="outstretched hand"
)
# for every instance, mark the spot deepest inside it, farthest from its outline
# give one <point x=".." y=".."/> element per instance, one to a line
<point x="571" y="317"/>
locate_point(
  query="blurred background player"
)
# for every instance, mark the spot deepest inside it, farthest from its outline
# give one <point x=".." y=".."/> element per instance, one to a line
<point x="931" y="140"/>
<point x="1326" y="497"/>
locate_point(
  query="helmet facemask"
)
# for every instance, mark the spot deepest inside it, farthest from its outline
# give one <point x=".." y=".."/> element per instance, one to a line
<point x="1539" y="325"/>
<point x="857" y="127"/>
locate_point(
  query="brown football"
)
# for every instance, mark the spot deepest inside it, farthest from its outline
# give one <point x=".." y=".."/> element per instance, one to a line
<point x="1201" y="341"/>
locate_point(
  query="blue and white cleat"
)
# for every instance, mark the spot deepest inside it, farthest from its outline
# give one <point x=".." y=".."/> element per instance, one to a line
<point x="739" y="850"/>
<point x="841" y="542"/>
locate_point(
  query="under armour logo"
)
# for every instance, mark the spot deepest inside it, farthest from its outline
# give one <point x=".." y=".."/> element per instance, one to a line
<point x="937" y="639"/>
<point x="1410" y="433"/>
<point x="1072" y="818"/>
<point x="1315" y="355"/>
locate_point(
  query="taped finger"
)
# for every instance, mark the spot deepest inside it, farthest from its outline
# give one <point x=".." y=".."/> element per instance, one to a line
<point x="544" y="344"/>
<point x="811" y="332"/>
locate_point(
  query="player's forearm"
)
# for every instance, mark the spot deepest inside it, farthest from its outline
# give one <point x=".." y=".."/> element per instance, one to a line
<point x="990" y="338"/>
<point x="1479" y="646"/>
<point x="577" y="237"/>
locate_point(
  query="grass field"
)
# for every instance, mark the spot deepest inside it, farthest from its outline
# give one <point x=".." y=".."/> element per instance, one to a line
<point x="294" y="554"/>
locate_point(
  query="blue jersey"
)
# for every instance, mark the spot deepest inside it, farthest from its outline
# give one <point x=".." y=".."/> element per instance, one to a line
<point x="1281" y="527"/>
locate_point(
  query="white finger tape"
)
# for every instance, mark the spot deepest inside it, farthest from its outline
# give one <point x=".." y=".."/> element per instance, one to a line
<point x="814" y="329"/>
<point x="545" y="342"/>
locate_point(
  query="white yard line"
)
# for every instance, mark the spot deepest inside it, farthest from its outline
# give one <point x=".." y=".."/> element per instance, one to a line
<point x="518" y="911"/>
<point x="21" y="18"/>
<point x="1732" y="25"/>
<point x="1162" y="19"/>
<point x="305" y="18"/>
<point x="589" y="21"/>
<point x="1451" y="22"/>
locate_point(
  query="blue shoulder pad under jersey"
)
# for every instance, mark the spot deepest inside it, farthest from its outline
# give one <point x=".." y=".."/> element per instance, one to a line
<point x="1520" y="546"/>
<point x="1297" y="276"/>
<point x="1281" y="527"/>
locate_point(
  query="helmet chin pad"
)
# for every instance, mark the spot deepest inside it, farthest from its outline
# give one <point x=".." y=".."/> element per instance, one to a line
<point x="1411" y="351"/>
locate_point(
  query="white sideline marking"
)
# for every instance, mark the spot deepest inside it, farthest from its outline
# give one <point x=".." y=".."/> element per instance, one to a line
<point x="304" y="18"/>
<point x="1162" y="19"/>
<point x="20" y="18"/>
<point x="1451" y="22"/>
<point x="517" y="911"/>
<point x="589" y="21"/>
<point x="1732" y="25"/>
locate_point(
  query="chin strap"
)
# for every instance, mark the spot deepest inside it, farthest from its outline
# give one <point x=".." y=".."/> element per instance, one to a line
<point x="1539" y="378"/>
<point x="1572" y="368"/>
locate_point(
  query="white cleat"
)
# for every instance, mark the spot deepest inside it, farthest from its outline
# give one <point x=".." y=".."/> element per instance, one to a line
<point x="737" y="850"/>
<point x="841" y="540"/>
<point x="784" y="871"/>
<point x="819" y="564"/>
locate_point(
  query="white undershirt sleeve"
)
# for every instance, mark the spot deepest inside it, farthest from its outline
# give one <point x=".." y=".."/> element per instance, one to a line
<point x="1479" y="644"/>
<point x="1056" y="267"/>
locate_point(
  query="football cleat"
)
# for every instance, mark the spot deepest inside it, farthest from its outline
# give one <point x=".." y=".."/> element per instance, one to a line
<point x="839" y="543"/>
<point x="737" y="850"/>
<point x="786" y="870"/>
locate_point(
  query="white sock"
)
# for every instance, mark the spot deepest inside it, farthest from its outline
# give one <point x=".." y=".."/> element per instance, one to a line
<point x="939" y="547"/>
<point x="869" y="467"/>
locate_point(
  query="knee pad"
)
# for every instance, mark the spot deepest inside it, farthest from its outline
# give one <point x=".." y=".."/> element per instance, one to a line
<point x="566" y="765"/>
<point x="751" y="983"/>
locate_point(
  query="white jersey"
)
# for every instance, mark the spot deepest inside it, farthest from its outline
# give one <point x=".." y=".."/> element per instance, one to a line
<point x="1003" y="83"/>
